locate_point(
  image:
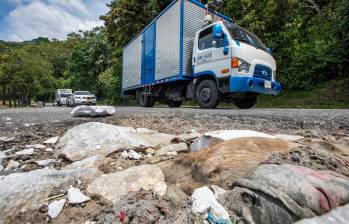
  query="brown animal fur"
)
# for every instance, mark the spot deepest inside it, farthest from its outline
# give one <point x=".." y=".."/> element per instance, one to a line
<point x="222" y="163"/>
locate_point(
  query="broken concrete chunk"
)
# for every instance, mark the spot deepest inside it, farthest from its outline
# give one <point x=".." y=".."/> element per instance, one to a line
<point x="92" y="111"/>
<point x="36" y="146"/>
<point x="12" y="165"/>
<point x="172" y="153"/>
<point x="216" y="137"/>
<point x="76" y="197"/>
<point x="150" y="151"/>
<point x="204" y="200"/>
<point x="46" y="162"/>
<point x="218" y="191"/>
<point x="32" y="188"/>
<point x="90" y="162"/>
<point x="82" y="141"/>
<point x="55" y="207"/>
<point x="29" y="151"/>
<point x="134" y="155"/>
<point x="115" y="185"/>
<point x="51" y="141"/>
<point x="180" y="147"/>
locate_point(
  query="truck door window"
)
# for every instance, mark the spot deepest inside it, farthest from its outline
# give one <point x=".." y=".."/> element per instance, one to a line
<point x="206" y="40"/>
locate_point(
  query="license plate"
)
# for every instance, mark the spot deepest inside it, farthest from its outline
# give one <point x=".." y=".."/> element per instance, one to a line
<point x="267" y="84"/>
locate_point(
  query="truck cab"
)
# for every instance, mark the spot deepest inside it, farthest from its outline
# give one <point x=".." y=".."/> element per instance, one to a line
<point x="231" y="62"/>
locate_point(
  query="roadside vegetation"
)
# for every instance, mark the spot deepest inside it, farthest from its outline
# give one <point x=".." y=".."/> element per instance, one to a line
<point x="309" y="39"/>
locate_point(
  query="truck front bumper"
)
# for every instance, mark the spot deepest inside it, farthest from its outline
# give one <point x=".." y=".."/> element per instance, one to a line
<point x="254" y="85"/>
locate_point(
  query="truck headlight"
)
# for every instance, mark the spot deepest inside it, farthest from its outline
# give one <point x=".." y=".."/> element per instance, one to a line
<point x="244" y="66"/>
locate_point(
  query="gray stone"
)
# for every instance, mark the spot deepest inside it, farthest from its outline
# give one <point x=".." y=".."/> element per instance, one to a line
<point x="36" y="146"/>
<point x="96" y="138"/>
<point x="174" y="194"/>
<point x="134" y="155"/>
<point x="115" y="185"/>
<point x="188" y="137"/>
<point x="7" y="139"/>
<point x="55" y="207"/>
<point x="51" y="141"/>
<point x="180" y="147"/>
<point x="93" y="111"/>
<point x="150" y="151"/>
<point x="46" y="162"/>
<point x="218" y="191"/>
<point x="76" y="197"/>
<point x="12" y="165"/>
<point x="27" y="191"/>
<point x="90" y="162"/>
<point x="29" y="151"/>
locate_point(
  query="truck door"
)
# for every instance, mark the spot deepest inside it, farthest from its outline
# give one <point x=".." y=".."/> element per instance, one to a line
<point x="148" y="65"/>
<point x="209" y="55"/>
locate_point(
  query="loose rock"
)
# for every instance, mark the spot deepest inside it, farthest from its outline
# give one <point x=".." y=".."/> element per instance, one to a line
<point x="29" y="151"/>
<point x="55" y="207"/>
<point x="36" y="146"/>
<point x="134" y="155"/>
<point x="113" y="186"/>
<point x="95" y="138"/>
<point x="51" y="141"/>
<point x="12" y="165"/>
<point x="180" y="147"/>
<point x="46" y="162"/>
<point x="30" y="189"/>
<point x="90" y="162"/>
<point x="76" y="197"/>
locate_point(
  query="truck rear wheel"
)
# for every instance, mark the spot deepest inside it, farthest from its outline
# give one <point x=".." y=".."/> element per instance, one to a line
<point x="172" y="103"/>
<point x="246" y="103"/>
<point x="146" y="100"/>
<point x="207" y="94"/>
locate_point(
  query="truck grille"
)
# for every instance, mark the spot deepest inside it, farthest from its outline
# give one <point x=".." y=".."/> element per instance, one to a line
<point x="262" y="72"/>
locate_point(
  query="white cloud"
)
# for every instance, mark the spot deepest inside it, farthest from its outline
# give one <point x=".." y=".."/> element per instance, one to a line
<point x="52" y="18"/>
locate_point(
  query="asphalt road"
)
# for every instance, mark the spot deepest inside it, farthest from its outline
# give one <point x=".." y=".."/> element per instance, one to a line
<point x="336" y="117"/>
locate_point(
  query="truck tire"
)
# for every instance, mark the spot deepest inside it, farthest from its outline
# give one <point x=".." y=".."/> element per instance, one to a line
<point x="207" y="95"/>
<point x="246" y="103"/>
<point x="173" y="104"/>
<point x="146" y="100"/>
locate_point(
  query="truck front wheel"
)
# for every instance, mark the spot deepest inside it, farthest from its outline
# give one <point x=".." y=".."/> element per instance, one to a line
<point x="207" y="94"/>
<point x="246" y="103"/>
<point x="146" y="100"/>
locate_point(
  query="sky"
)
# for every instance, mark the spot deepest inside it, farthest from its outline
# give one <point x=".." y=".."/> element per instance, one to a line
<point x="22" y="20"/>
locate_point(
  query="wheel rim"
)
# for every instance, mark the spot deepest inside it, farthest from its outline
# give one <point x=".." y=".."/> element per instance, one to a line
<point x="206" y="94"/>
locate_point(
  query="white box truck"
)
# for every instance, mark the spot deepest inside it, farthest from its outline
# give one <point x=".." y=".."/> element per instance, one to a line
<point x="61" y="96"/>
<point x="192" y="52"/>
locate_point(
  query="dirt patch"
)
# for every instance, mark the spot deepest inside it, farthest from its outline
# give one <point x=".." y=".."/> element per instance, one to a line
<point x="221" y="164"/>
<point x="147" y="207"/>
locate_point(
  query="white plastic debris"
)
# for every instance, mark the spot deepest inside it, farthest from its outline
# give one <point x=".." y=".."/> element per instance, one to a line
<point x="55" y="207"/>
<point x="203" y="199"/>
<point x="76" y="197"/>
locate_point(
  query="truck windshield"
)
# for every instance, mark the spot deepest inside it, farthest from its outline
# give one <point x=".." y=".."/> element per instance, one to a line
<point x="82" y="93"/>
<point x="64" y="95"/>
<point x="240" y="34"/>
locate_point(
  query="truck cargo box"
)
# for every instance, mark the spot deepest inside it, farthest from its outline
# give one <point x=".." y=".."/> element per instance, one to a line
<point x="162" y="52"/>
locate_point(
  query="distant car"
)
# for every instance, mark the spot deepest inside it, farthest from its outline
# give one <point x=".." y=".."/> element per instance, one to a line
<point x="82" y="98"/>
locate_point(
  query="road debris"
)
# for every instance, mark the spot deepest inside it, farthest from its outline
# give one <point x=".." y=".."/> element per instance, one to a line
<point x="51" y="141"/>
<point x="55" y="207"/>
<point x="92" y="111"/>
<point x="76" y="197"/>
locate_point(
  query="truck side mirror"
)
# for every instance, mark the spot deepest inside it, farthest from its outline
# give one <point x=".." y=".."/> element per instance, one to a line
<point x="217" y="32"/>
